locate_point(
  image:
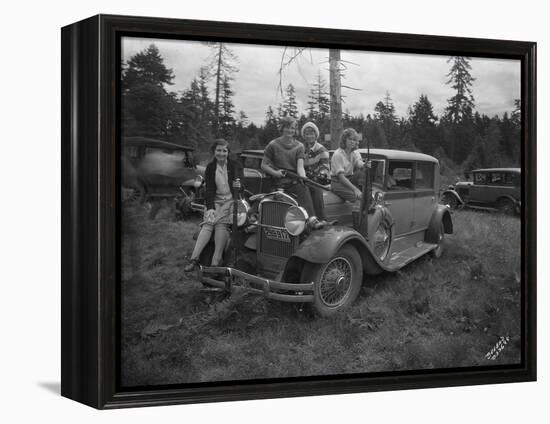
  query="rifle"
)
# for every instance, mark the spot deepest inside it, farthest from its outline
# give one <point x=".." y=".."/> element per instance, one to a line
<point x="366" y="198"/>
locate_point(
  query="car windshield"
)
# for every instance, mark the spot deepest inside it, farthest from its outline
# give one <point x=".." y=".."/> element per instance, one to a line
<point x="377" y="172"/>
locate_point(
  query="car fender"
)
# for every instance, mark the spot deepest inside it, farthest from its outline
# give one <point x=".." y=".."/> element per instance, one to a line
<point x="453" y="193"/>
<point x="250" y="242"/>
<point x="440" y="215"/>
<point x="511" y="198"/>
<point x="323" y="244"/>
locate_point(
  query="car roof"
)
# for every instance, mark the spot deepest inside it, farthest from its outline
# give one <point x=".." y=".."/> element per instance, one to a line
<point x="386" y="153"/>
<point x="152" y="142"/>
<point x="515" y="170"/>
<point x="254" y="153"/>
<point x="399" y="155"/>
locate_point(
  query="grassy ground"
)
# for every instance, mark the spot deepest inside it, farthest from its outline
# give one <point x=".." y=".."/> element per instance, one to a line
<point x="434" y="313"/>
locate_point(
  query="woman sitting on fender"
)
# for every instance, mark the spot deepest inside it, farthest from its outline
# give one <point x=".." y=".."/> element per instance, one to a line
<point x="219" y="175"/>
<point x="345" y="161"/>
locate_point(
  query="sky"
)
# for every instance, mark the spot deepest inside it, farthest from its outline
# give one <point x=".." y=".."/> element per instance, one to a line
<point x="371" y="74"/>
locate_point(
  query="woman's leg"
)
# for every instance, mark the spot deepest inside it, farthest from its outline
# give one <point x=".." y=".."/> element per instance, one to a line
<point x="221" y="237"/>
<point x="202" y="241"/>
<point x="317" y="199"/>
<point x="303" y="196"/>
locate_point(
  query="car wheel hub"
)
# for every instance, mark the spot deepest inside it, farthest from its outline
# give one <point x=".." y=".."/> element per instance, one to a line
<point x="335" y="282"/>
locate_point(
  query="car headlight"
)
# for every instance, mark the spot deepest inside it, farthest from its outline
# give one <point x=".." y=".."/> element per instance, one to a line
<point x="242" y="211"/>
<point x="295" y="220"/>
<point x="198" y="181"/>
<point x="377" y="198"/>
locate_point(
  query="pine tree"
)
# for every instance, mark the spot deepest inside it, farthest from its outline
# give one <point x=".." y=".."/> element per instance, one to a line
<point x="146" y="67"/>
<point x="319" y="103"/>
<point x="147" y="108"/>
<point x="385" y="116"/>
<point x="227" y="109"/>
<point x="461" y="105"/>
<point x="290" y="107"/>
<point x="270" y="129"/>
<point x="222" y="67"/>
<point x="422" y="123"/>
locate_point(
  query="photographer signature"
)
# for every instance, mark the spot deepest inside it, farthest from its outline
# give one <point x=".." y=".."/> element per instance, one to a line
<point x="499" y="346"/>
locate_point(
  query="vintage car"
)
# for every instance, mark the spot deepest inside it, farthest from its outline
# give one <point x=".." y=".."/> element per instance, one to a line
<point x="155" y="169"/>
<point x="492" y="188"/>
<point x="254" y="179"/>
<point x="278" y="250"/>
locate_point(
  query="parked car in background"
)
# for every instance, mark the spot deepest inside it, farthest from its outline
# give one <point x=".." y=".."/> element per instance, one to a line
<point x="155" y="169"/>
<point x="286" y="255"/>
<point x="492" y="188"/>
<point x="254" y="179"/>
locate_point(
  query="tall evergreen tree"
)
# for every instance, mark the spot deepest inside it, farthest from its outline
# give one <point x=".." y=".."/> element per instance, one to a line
<point x="227" y="109"/>
<point x="422" y="123"/>
<point x="146" y="67"/>
<point x="319" y="103"/>
<point x="290" y="107"/>
<point x="384" y="114"/>
<point x="222" y="66"/>
<point x="461" y="105"/>
<point x="147" y="108"/>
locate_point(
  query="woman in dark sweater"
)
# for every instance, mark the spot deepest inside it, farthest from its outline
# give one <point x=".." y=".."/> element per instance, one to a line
<point x="220" y="176"/>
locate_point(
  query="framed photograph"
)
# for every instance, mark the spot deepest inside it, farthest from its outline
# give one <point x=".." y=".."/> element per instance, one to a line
<point x="254" y="211"/>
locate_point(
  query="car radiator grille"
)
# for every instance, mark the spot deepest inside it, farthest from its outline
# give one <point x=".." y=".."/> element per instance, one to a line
<point x="273" y="241"/>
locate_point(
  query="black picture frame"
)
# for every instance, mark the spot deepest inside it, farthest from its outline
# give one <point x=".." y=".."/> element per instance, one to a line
<point x="91" y="219"/>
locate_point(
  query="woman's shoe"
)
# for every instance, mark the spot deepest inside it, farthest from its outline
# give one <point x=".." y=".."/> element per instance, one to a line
<point x="193" y="263"/>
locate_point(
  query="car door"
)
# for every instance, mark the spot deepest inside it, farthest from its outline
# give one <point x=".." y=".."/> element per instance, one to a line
<point x="478" y="190"/>
<point x="399" y="197"/>
<point x="425" y="195"/>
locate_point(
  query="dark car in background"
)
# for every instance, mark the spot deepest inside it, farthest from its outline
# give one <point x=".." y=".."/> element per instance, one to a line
<point x="155" y="169"/>
<point x="255" y="180"/>
<point x="491" y="188"/>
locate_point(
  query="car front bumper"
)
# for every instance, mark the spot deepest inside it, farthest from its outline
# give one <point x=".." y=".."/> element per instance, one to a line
<point x="227" y="278"/>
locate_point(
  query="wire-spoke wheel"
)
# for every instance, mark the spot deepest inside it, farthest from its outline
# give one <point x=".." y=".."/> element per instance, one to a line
<point x="134" y="195"/>
<point x="382" y="240"/>
<point x="336" y="283"/>
<point x="506" y="206"/>
<point x="438" y="251"/>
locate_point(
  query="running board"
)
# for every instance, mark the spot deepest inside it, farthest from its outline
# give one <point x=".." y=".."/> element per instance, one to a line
<point x="398" y="260"/>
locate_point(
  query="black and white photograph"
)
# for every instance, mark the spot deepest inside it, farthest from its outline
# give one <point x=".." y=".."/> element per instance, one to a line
<point x="299" y="212"/>
<point x="277" y="212"/>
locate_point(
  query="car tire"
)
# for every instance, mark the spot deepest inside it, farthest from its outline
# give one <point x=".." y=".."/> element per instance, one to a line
<point x="449" y="199"/>
<point x="438" y="251"/>
<point x="506" y="206"/>
<point x="337" y="282"/>
<point x="138" y="196"/>
<point x="382" y="240"/>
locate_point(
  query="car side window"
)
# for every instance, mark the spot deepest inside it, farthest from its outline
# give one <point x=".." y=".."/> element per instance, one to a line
<point x="424" y="175"/>
<point x="511" y="179"/>
<point x="496" y="178"/>
<point x="400" y="176"/>
<point x="480" y="178"/>
<point x="250" y="162"/>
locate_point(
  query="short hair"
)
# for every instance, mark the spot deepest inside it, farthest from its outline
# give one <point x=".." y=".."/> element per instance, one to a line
<point x="286" y="121"/>
<point x="219" y="142"/>
<point x="346" y="135"/>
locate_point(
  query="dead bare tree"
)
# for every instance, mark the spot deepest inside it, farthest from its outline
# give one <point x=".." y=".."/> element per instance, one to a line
<point x="336" y="67"/>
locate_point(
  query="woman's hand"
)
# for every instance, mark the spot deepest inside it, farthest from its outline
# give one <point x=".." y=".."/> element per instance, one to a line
<point x="279" y="173"/>
<point x="210" y="216"/>
<point x="237" y="184"/>
<point x="358" y="194"/>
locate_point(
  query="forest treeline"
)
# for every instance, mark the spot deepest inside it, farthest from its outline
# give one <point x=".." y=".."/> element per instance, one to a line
<point x="461" y="138"/>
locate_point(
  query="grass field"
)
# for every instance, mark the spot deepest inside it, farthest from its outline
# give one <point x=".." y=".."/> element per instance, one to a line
<point x="434" y="313"/>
